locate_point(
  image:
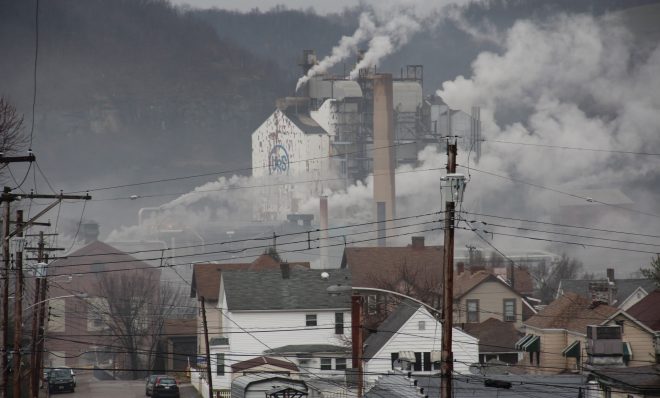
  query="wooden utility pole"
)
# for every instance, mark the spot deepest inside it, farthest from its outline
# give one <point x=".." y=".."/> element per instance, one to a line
<point x="34" y="373"/>
<point x="42" y="323"/>
<point x="447" y="356"/>
<point x="356" y="338"/>
<point x="5" y="292"/>
<point x="18" y="311"/>
<point x="208" y="352"/>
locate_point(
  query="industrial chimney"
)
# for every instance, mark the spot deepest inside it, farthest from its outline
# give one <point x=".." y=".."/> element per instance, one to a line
<point x="383" y="154"/>
<point x="323" y="233"/>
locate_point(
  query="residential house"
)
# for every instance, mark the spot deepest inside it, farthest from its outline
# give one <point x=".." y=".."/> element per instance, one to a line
<point x="639" y="382"/>
<point x="206" y="284"/>
<point x="414" y="270"/>
<point x="555" y="338"/>
<point x="269" y="309"/>
<point x="410" y="338"/>
<point x="481" y="295"/>
<point x="497" y="340"/>
<point x="178" y="344"/>
<point x="620" y="293"/>
<point x="78" y="329"/>
<point x="640" y="330"/>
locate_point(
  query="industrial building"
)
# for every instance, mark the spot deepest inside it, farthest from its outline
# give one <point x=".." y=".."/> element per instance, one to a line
<point x="338" y="131"/>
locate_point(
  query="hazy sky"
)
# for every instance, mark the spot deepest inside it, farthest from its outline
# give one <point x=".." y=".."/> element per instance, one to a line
<point x="321" y="6"/>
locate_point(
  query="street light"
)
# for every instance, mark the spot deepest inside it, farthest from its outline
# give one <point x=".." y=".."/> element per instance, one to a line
<point x="339" y="289"/>
<point x="77" y="295"/>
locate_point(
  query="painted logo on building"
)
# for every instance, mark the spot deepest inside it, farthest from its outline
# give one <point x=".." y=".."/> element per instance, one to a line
<point x="278" y="160"/>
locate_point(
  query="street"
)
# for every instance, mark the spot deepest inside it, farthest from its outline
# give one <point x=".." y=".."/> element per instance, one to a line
<point x="88" y="386"/>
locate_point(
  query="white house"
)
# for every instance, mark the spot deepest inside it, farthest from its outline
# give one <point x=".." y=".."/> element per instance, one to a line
<point x="286" y="313"/>
<point x="409" y="336"/>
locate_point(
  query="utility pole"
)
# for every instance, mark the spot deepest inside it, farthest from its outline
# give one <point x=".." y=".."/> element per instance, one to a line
<point x="356" y="339"/>
<point x="42" y="323"/>
<point x="447" y="356"/>
<point x="18" y="311"/>
<point x="34" y="373"/>
<point x="208" y="352"/>
<point x="5" y="291"/>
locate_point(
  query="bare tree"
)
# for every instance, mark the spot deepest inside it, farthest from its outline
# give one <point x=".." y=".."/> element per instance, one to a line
<point x="653" y="273"/>
<point x="419" y="282"/>
<point x="135" y="310"/>
<point x="548" y="275"/>
<point x="12" y="138"/>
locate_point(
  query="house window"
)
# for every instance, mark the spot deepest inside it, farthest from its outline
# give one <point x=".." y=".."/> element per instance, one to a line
<point x="340" y="363"/>
<point x="421" y="325"/>
<point x="472" y="311"/>
<point x="310" y="320"/>
<point x="220" y="364"/>
<point x="418" y="361"/>
<point x="427" y="361"/>
<point x="326" y="363"/>
<point x="339" y="323"/>
<point x="395" y="358"/>
<point x="509" y="310"/>
<point x="372" y="304"/>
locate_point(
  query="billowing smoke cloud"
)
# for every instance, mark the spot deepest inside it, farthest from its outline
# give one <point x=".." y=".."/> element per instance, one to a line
<point x="572" y="81"/>
<point x="386" y="28"/>
<point x="347" y="45"/>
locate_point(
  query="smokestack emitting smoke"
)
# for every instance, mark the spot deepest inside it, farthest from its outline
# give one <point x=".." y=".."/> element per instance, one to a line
<point x="323" y="224"/>
<point x="603" y="94"/>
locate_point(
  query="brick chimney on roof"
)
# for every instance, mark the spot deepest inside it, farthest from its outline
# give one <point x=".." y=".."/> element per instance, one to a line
<point x="286" y="270"/>
<point x="610" y="274"/>
<point x="460" y="268"/>
<point x="417" y="242"/>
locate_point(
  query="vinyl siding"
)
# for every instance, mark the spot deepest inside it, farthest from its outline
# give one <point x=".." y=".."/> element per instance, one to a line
<point x="641" y="341"/>
<point x="295" y="331"/>
<point x="410" y="338"/>
<point x="213" y="320"/>
<point x="491" y="296"/>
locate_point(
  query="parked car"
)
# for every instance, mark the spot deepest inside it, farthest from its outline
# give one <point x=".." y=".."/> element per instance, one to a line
<point x="73" y="374"/>
<point x="60" y="380"/>
<point x="165" y="386"/>
<point x="150" y="384"/>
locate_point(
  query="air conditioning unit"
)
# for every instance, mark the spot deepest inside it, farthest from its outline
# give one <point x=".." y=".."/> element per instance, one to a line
<point x="604" y="345"/>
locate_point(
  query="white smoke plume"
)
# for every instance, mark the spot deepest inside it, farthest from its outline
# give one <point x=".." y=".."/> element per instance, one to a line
<point x="347" y="45"/>
<point x="386" y="28"/>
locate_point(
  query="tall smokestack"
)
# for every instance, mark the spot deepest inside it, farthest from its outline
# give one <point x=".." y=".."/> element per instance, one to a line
<point x="324" y="231"/>
<point x="383" y="155"/>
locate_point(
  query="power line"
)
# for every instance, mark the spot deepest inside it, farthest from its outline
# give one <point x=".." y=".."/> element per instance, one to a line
<point x="573" y="148"/>
<point x="587" y="199"/>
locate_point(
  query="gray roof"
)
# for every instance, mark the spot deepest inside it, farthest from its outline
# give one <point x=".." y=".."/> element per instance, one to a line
<point x="397" y="385"/>
<point x="265" y="290"/>
<point x="390" y="325"/>
<point x="241" y="384"/>
<point x="308" y="349"/>
<point x="624" y="287"/>
<point x="642" y="379"/>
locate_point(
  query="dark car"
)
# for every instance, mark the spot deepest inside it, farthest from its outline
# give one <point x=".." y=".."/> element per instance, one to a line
<point x="60" y="380"/>
<point x="150" y="383"/>
<point x="165" y="386"/>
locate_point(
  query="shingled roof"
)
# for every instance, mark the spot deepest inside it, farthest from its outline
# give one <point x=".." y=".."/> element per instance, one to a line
<point x="624" y="287"/>
<point x="206" y="277"/>
<point x="371" y="266"/>
<point x="299" y="289"/>
<point x="571" y="312"/>
<point x="647" y="310"/>
<point x="494" y="335"/>
<point x="260" y="361"/>
<point x="389" y="327"/>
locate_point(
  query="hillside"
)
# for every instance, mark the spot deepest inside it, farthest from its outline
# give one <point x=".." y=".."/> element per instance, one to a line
<point x="132" y="86"/>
